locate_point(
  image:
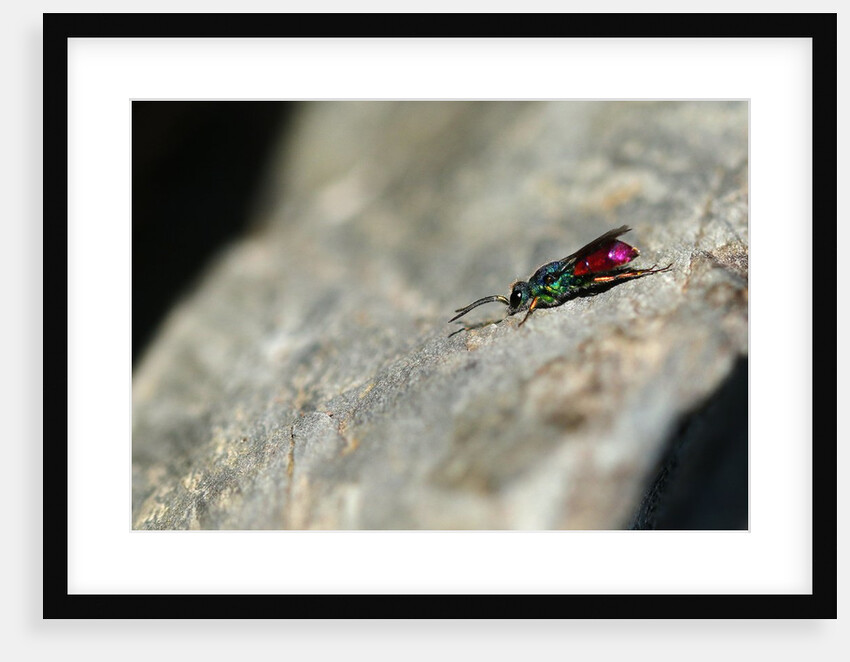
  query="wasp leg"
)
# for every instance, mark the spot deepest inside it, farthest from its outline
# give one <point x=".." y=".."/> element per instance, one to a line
<point x="628" y="275"/>
<point x="530" y="310"/>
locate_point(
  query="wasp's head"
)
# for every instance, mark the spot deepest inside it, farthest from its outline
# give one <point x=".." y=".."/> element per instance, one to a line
<point x="520" y="296"/>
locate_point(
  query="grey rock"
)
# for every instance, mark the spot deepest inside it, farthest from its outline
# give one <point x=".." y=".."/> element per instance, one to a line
<point x="311" y="380"/>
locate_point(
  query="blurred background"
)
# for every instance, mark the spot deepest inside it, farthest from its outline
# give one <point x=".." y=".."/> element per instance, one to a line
<point x="198" y="169"/>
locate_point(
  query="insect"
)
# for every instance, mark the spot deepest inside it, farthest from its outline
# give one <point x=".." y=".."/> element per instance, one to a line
<point x="591" y="269"/>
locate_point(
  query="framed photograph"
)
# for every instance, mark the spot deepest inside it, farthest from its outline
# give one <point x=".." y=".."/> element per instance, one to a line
<point x="428" y="318"/>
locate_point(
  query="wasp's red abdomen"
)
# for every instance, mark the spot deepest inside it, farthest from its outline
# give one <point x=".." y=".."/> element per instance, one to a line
<point x="609" y="257"/>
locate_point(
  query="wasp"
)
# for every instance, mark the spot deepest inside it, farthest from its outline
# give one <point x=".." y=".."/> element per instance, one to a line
<point x="591" y="269"/>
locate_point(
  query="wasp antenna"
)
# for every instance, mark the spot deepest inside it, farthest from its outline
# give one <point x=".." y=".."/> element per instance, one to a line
<point x="463" y="311"/>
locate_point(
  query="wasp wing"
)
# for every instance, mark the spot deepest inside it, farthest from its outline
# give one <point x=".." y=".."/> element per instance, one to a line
<point x="587" y="249"/>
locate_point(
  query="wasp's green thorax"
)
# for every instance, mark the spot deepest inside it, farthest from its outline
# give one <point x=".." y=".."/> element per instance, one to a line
<point x="554" y="283"/>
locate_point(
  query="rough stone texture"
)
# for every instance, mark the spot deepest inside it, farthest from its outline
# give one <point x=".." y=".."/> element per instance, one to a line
<point x="311" y="381"/>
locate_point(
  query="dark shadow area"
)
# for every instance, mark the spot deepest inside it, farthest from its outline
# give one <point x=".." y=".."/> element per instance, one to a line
<point x="702" y="481"/>
<point x="196" y="166"/>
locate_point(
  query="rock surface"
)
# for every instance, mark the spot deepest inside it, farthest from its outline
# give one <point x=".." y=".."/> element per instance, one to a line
<point x="311" y="380"/>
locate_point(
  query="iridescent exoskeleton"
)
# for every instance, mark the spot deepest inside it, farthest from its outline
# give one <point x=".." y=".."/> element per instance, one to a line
<point x="591" y="269"/>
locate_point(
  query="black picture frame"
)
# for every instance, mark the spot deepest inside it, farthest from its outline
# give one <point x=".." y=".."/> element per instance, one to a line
<point x="59" y="603"/>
